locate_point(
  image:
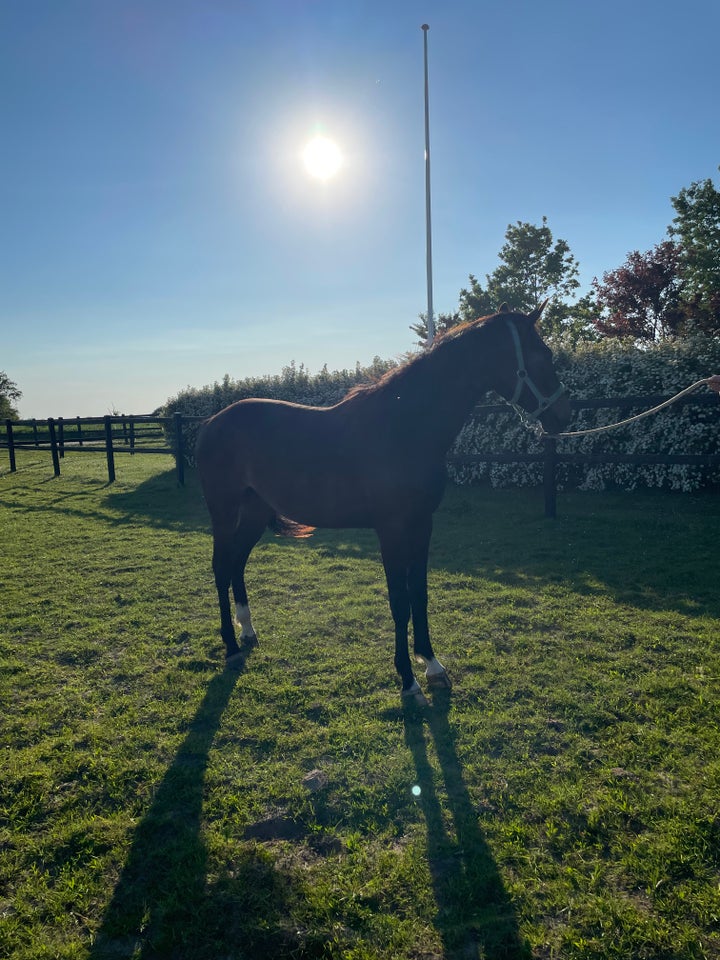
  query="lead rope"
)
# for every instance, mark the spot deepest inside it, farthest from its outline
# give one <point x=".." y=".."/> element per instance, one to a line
<point x="712" y="382"/>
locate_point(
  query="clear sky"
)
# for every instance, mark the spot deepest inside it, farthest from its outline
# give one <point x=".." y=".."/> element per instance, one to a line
<point x="158" y="228"/>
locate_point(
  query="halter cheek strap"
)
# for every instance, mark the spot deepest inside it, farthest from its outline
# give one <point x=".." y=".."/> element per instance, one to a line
<point x="525" y="380"/>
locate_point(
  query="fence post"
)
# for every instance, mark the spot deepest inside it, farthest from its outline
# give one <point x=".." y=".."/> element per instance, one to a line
<point x="35" y="433"/>
<point x="179" y="452"/>
<point x="54" y="446"/>
<point x="11" y="445"/>
<point x="79" y="432"/>
<point x="132" y="435"/>
<point x="109" y="450"/>
<point x="549" y="477"/>
<point x="61" y="437"/>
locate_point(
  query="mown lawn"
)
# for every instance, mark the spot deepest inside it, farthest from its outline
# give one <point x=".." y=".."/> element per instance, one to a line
<point x="561" y="802"/>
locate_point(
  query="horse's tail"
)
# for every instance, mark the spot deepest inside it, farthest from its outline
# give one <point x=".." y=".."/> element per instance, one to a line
<point x="282" y="527"/>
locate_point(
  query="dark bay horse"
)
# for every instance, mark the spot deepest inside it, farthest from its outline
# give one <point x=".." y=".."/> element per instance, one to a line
<point x="376" y="459"/>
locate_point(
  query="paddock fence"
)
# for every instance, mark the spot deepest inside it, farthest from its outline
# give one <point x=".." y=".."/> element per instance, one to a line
<point x="112" y="435"/>
<point x="174" y="436"/>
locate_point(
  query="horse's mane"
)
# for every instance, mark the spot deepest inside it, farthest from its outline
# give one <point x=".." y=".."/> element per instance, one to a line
<point x="398" y="375"/>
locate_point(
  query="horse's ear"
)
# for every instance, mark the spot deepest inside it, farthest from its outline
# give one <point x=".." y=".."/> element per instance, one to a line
<point x="504" y="308"/>
<point x="537" y="312"/>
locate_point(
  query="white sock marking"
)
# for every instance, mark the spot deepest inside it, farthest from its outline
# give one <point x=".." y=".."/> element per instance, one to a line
<point x="433" y="667"/>
<point x="243" y="620"/>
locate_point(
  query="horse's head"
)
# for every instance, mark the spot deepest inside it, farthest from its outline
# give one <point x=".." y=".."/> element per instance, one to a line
<point x="527" y="379"/>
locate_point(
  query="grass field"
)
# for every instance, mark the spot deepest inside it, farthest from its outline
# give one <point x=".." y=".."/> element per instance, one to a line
<point x="561" y="802"/>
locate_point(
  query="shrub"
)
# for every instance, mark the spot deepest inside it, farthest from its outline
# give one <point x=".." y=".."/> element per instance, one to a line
<point x="603" y="369"/>
<point x="294" y="384"/>
<point x="609" y="369"/>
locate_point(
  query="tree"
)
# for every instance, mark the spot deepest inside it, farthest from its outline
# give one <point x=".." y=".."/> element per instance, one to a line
<point x="9" y="393"/>
<point x="643" y="298"/>
<point x="443" y="322"/>
<point x="533" y="268"/>
<point x="697" y="230"/>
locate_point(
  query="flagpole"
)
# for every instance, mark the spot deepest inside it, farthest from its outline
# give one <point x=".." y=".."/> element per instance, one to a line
<point x="428" y="224"/>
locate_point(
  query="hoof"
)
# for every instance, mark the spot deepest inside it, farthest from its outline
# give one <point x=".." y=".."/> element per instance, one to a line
<point x="235" y="662"/>
<point x="414" y="696"/>
<point x="439" y="681"/>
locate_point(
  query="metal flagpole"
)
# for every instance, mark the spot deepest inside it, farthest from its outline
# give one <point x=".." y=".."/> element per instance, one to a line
<point x="428" y="224"/>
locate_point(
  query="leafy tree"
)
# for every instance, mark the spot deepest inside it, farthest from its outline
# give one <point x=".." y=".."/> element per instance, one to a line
<point x="533" y="267"/>
<point x="9" y="394"/>
<point x="643" y="298"/>
<point x="443" y="322"/>
<point x="697" y="230"/>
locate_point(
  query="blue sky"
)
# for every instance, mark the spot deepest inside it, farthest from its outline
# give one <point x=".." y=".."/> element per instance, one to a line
<point x="158" y="229"/>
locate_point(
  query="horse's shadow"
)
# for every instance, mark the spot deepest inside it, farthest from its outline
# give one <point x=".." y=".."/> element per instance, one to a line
<point x="475" y="916"/>
<point x="164" y="904"/>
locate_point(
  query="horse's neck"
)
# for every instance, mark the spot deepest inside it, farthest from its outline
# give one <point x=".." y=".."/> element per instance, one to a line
<point x="440" y="391"/>
<point x="458" y="386"/>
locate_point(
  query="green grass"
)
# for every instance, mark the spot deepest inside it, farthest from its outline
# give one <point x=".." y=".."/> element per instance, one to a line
<point x="153" y="806"/>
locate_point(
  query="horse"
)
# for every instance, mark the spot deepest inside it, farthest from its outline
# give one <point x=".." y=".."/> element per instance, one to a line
<point x="374" y="460"/>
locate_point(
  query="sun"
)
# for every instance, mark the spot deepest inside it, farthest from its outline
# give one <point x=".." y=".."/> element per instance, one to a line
<point x="322" y="158"/>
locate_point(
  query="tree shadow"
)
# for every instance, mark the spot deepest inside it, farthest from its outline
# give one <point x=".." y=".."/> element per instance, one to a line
<point x="161" y="502"/>
<point x="163" y="904"/>
<point x="475" y="917"/>
<point x="651" y="550"/>
<point x="158" y="502"/>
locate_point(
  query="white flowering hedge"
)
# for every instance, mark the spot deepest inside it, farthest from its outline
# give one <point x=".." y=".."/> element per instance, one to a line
<point x="295" y="384"/>
<point x="608" y="368"/>
<point x="611" y="369"/>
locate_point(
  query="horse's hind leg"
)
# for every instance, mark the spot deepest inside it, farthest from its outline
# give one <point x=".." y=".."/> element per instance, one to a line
<point x="255" y="515"/>
<point x="222" y="568"/>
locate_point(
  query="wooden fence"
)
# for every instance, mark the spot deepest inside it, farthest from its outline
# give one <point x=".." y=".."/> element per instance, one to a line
<point x="166" y="435"/>
<point x="550" y="457"/>
<point x="113" y="435"/>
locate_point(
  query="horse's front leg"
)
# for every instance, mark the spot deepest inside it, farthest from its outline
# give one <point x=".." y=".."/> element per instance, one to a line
<point x="435" y="673"/>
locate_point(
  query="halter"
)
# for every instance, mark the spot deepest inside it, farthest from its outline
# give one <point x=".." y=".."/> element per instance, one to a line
<point x="525" y="380"/>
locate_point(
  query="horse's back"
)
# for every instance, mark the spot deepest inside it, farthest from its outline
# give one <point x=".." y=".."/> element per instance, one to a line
<point x="258" y="426"/>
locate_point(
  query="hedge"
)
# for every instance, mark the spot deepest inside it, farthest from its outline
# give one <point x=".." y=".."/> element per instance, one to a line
<point x="608" y="368"/>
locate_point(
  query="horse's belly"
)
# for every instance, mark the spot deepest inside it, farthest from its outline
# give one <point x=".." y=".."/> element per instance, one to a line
<point x="357" y="500"/>
<point x="318" y="501"/>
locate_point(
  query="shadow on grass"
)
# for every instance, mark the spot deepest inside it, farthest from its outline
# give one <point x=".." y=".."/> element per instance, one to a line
<point x="156" y="502"/>
<point x="475" y="917"/>
<point x="163" y="905"/>
<point x="652" y="550"/>
<point x="160" y="501"/>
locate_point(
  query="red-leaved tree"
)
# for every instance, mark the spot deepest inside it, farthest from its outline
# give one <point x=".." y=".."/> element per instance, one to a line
<point x="642" y="298"/>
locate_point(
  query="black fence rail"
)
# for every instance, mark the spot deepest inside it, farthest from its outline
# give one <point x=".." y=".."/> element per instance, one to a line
<point x="166" y="435"/>
<point x="113" y="435"/>
<point x="550" y="457"/>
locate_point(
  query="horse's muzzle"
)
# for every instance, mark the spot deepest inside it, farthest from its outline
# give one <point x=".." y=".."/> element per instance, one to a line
<point x="557" y="416"/>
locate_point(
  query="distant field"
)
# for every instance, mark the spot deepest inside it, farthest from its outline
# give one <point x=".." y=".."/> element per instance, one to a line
<point x="561" y="802"/>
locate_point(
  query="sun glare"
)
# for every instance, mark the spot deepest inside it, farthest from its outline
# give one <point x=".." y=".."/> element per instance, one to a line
<point x="322" y="158"/>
